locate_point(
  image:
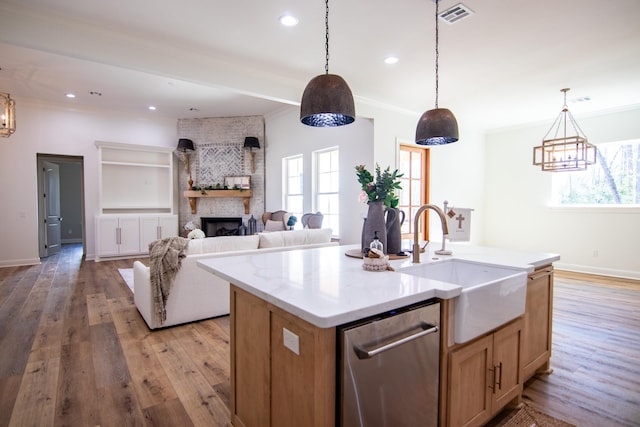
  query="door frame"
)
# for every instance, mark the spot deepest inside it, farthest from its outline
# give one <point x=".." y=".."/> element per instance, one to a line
<point x="426" y="181"/>
<point x="57" y="159"/>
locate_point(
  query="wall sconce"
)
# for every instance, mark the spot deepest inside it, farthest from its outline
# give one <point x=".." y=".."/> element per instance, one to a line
<point x="185" y="146"/>
<point x="250" y="143"/>
<point x="8" y="119"/>
<point x="562" y="153"/>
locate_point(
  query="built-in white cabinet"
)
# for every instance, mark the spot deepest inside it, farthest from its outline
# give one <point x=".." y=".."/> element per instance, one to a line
<point x="155" y="228"/>
<point x="117" y="235"/>
<point x="135" y="178"/>
<point x="137" y="200"/>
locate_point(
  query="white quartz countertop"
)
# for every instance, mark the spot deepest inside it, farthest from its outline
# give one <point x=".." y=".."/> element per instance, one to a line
<point x="327" y="288"/>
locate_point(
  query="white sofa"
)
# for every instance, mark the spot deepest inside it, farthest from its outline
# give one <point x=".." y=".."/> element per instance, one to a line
<point x="197" y="294"/>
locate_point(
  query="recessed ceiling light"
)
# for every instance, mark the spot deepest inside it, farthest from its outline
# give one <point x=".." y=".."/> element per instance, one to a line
<point x="69" y="95"/>
<point x="152" y="108"/>
<point x="391" y="59"/>
<point x="288" y="20"/>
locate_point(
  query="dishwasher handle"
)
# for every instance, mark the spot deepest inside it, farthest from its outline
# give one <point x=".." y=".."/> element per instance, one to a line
<point x="426" y="330"/>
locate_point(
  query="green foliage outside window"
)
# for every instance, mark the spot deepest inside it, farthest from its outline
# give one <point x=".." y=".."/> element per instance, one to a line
<point x="613" y="180"/>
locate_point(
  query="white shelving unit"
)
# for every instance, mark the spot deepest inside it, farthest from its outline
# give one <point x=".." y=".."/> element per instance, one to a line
<point x="137" y="188"/>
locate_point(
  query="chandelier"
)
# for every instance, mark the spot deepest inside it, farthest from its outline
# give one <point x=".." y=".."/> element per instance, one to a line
<point x="561" y="152"/>
<point x="8" y="119"/>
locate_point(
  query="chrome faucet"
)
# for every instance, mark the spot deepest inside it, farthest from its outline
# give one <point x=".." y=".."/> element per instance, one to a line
<point x="445" y="231"/>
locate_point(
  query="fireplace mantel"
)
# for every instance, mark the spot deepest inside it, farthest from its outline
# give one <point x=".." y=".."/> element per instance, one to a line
<point x="193" y="196"/>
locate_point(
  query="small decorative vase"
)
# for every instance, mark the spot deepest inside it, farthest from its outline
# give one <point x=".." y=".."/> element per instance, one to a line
<point x="395" y="218"/>
<point x="374" y="222"/>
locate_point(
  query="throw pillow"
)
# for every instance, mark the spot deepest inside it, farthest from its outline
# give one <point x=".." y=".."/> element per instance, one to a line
<point x="274" y="226"/>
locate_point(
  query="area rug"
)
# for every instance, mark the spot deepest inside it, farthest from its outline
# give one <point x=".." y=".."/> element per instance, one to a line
<point x="127" y="276"/>
<point x="529" y="417"/>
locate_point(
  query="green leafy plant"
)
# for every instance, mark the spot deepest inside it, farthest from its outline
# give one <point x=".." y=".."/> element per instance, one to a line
<point x="381" y="187"/>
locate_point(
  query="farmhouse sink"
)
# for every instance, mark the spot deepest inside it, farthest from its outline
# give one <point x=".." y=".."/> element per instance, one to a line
<point x="491" y="295"/>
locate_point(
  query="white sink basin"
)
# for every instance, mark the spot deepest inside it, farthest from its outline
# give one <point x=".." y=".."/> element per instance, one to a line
<point x="491" y="295"/>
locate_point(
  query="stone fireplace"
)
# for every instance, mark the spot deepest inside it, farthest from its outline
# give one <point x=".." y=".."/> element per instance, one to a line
<point x="220" y="226"/>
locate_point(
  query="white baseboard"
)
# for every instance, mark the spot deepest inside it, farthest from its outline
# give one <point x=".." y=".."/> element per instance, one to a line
<point x="19" y="262"/>
<point x="69" y="241"/>
<point x="624" y="274"/>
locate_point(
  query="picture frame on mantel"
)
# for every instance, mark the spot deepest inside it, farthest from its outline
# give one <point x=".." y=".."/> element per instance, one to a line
<point x="240" y="182"/>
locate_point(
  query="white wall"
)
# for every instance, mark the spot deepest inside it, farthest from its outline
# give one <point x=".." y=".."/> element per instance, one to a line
<point x="457" y="170"/>
<point x="595" y="240"/>
<point x="54" y="130"/>
<point x="286" y="136"/>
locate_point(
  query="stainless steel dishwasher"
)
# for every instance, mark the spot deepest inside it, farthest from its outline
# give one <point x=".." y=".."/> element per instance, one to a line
<point x="389" y="368"/>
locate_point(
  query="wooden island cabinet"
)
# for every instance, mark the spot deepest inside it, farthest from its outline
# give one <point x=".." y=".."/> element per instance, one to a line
<point x="285" y="318"/>
<point x="488" y="373"/>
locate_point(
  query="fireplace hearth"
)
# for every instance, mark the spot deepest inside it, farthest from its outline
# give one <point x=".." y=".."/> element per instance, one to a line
<point x="220" y="226"/>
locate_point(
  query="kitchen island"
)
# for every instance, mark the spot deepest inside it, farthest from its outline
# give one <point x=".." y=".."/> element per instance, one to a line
<point x="285" y="307"/>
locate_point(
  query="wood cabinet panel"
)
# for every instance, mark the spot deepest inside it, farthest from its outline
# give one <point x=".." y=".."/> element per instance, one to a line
<point x="250" y="372"/>
<point x="271" y="384"/>
<point x="536" y="350"/>
<point x="302" y="385"/>
<point x="469" y="379"/>
<point x="507" y="377"/>
<point x="484" y="376"/>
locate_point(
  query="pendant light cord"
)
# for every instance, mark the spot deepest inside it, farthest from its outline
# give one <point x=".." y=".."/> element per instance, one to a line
<point x="437" y="51"/>
<point x="326" y="43"/>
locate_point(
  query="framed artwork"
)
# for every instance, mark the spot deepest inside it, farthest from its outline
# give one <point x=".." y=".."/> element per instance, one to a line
<point x="239" y="182"/>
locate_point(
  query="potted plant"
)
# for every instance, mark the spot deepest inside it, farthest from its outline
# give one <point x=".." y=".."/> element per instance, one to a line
<point x="379" y="192"/>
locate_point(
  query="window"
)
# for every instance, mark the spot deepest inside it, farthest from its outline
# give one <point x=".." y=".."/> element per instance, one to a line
<point x="292" y="182"/>
<point x="327" y="184"/>
<point x="613" y="180"/>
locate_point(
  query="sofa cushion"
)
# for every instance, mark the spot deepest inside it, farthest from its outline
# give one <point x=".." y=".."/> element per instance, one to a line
<point x="294" y="238"/>
<point x="222" y="244"/>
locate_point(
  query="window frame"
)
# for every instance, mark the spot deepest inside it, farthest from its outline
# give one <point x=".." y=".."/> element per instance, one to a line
<point x="331" y="219"/>
<point x="286" y="167"/>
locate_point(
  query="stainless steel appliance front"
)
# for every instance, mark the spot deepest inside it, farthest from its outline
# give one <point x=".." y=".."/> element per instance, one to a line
<point x="389" y="369"/>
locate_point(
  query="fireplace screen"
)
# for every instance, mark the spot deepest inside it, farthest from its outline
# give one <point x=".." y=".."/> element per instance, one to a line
<point x="221" y="226"/>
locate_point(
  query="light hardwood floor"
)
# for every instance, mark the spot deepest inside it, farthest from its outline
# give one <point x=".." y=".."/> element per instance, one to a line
<point x="75" y="352"/>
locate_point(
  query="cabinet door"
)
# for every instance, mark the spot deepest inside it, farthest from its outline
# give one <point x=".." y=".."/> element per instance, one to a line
<point x="168" y="226"/>
<point x="469" y="379"/>
<point x="536" y="348"/>
<point x="107" y="236"/>
<point x="148" y="231"/>
<point x="129" y="235"/>
<point x="506" y="381"/>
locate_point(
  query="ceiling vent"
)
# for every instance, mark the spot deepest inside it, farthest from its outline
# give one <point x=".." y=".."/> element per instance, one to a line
<point x="455" y="13"/>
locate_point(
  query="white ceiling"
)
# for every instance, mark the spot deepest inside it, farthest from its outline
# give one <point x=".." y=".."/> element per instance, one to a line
<point x="502" y="66"/>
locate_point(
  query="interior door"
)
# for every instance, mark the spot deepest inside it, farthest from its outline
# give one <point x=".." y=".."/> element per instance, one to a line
<point x="53" y="220"/>
<point x="414" y="164"/>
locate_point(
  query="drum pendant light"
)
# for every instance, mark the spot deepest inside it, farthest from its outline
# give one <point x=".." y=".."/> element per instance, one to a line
<point x="327" y="100"/>
<point x="438" y="126"/>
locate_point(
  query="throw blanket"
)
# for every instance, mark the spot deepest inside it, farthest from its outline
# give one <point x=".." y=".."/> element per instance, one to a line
<point x="165" y="259"/>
